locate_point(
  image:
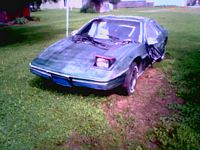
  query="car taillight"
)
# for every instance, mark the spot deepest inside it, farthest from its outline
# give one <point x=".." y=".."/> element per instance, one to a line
<point x="104" y="62"/>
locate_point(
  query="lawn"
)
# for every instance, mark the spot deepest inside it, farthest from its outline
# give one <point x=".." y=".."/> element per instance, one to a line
<point x="36" y="114"/>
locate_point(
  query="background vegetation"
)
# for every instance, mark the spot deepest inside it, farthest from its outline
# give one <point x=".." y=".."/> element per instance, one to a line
<point x="35" y="114"/>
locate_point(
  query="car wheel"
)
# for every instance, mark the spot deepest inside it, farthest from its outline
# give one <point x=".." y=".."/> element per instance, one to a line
<point x="131" y="79"/>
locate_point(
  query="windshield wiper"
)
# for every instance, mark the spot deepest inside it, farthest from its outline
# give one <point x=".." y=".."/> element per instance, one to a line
<point x="127" y="41"/>
<point x="82" y="37"/>
<point x="113" y="37"/>
<point x="86" y="37"/>
<point x="93" y="41"/>
<point x="124" y="41"/>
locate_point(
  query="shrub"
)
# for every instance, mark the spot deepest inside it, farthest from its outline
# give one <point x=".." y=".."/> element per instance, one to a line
<point x="175" y="137"/>
<point x="21" y="20"/>
<point x="88" y="9"/>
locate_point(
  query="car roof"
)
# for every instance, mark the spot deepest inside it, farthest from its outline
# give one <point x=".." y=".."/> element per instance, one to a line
<point x="130" y="18"/>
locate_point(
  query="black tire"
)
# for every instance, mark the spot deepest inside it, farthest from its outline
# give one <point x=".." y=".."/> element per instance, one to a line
<point x="131" y="79"/>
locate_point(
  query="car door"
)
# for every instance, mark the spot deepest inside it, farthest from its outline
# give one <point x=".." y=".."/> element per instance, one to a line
<point x="162" y="36"/>
<point x="155" y="40"/>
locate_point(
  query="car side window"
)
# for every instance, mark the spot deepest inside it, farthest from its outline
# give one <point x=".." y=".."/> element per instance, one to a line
<point x="152" y="30"/>
<point x="157" y="28"/>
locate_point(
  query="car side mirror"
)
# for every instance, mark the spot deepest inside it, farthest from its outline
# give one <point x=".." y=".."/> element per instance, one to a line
<point x="74" y="32"/>
<point x="152" y="41"/>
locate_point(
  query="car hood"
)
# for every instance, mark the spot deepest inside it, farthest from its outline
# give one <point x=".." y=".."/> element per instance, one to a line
<point x="76" y="59"/>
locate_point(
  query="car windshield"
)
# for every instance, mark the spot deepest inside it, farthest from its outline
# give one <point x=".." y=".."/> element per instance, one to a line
<point x="116" y="30"/>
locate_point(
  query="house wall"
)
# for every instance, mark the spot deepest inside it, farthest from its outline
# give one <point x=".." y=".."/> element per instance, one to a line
<point x="52" y="5"/>
<point x="60" y="4"/>
<point x="150" y="1"/>
<point x="132" y="0"/>
<point x="161" y="2"/>
<point x="170" y="2"/>
<point x="6" y="15"/>
<point x="135" y="3"/>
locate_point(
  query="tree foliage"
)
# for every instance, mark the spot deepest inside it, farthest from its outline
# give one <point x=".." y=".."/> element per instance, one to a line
<point x="92" y="6"/>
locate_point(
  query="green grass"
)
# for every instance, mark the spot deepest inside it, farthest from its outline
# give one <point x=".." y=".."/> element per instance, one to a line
<point x="35" y="114"/>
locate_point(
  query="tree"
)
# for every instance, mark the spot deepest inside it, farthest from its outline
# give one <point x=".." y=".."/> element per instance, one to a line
<point x="97" y="4"/>
<point x="114" y="1"/>
<point x="92" y="6"/>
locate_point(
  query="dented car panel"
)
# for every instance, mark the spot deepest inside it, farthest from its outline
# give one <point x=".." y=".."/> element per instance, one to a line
<point x="100" y="54"/>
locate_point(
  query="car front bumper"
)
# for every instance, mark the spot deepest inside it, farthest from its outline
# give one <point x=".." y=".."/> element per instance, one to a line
<point x="69" y="81"/>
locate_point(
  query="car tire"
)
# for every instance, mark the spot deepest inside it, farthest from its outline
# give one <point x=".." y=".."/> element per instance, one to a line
<point x="131" y="79"/>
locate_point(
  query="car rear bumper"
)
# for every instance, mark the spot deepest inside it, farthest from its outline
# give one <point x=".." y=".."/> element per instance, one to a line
<point x="69" y="81"/>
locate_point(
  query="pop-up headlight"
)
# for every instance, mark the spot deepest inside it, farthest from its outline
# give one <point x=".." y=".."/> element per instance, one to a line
<point x="104" y="62"/>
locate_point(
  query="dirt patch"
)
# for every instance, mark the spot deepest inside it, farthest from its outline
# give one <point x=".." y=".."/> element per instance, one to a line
<point x="132" y="116"/>
<point x="144" y="108"/>
<point x="77" y="142"/>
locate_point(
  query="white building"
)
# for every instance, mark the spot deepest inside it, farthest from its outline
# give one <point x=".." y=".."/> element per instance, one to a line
<point x="166" y="2"/>
<point x="170" y="2"/>
<point x="61" y="4"/>
<point x="135" y="3"/>
<point x="124" y="3"/>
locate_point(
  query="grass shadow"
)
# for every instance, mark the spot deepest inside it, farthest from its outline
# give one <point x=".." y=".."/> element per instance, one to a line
<point x="27" y="34"/>
<point x="48" y="85"/>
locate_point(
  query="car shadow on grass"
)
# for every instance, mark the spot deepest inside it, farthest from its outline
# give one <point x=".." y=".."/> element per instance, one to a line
<point x="48" y="85"/>
<point x="27" y="34"/>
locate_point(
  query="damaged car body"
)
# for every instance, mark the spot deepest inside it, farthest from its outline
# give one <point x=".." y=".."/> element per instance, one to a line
<point x="107" y="52"/>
